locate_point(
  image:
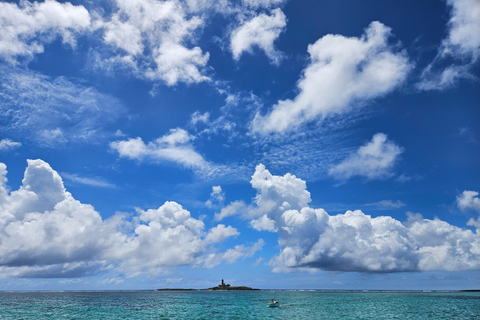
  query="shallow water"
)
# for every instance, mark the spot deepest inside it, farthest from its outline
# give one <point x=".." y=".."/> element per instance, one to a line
<point x="238" y="305"/>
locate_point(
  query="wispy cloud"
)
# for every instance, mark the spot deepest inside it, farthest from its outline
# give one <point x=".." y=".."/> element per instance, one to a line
<point x="459" y="51"/>
<point x="7" y="144"/>
<point x="53" y="109"/>
<point x="175" y="147"/>
<point x="94" y="182"/>
<point x="387" y="204"/>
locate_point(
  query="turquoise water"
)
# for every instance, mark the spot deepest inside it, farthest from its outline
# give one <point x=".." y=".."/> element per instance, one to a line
<point x="238" y="305"/>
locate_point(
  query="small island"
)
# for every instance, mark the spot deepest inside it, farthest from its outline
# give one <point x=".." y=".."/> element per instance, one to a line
<point x="224" y="286"/>
<point x="221" y="287"/>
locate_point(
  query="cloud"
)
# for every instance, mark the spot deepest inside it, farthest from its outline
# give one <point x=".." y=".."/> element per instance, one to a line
<point x="432" y="79"/>
<point x="464" y="27"/>
<point x="94" y="182"/>
<point x="228" y="7"/>
<point x="52" y="138"/>
<point x="152" y="39"/>
<point x="167" y="237"/>
<point x="261" y="31"/>
<point x="232" y="255"/>
<point x="343" y="72"/>
<point x="174" y="147"/>
<point x="198" y="117"/>
<point x="220" y="233"/>
<point x="459" y="51"/>
<point x="291" y="189"/>
<point x="263" y="224"/>
<point x="226" y="122"/>
<point x="234" y="208"/>
<point x="387" y="204"/>
<point x="442" y="246"/>
<point x="3" y="183"/>
<point x="45" y="232"/>
<point x="27" y="27"/>
<point x="374" y="160"/>
<point x="312" y="239"/>
<point x="216" y="197"/>
<point x="261" y="3"/>
<point x="7" y="144"/>
<point x="53" y="110"/>
<point x="469" y="200"/>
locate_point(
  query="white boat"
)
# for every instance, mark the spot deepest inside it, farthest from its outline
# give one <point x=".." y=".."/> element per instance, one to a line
<point x="273" y="304"/>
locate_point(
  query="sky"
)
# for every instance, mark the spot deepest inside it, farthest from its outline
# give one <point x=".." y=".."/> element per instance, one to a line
<point x="277" y="144"/>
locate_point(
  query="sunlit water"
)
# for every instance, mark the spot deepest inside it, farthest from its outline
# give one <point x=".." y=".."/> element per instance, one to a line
<point x="238" y="305"/>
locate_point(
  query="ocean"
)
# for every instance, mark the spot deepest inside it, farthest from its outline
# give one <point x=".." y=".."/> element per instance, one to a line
<point x="238" y="305"/>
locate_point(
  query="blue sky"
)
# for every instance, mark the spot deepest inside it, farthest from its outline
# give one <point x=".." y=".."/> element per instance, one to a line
<point x="277" y="144"/>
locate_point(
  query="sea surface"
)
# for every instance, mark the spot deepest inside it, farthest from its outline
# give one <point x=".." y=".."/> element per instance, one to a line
<point x="238" y="305"/>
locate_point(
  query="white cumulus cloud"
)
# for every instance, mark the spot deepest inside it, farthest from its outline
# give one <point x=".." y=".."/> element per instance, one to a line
<point x="45" y="232"/>
<point x="234" y="208"/>
<point x="216" y="197"/>
<point x="27" y="27"/>
<point x="354" y="241"/>
<point x="292" y="190"/>
<point x="374" y="160"/>
<point x="154" y="38"/>
<point x="469" y="200"/>
<point x="342" y="73"/>
<point x="165" y="237"/>
<point x="261" y="31"/>
<point x="464" y="29"/>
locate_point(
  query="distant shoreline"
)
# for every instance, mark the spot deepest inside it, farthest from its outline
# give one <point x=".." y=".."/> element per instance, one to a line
<point x="319" y="290"/>
<point x="251" y="289"/>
